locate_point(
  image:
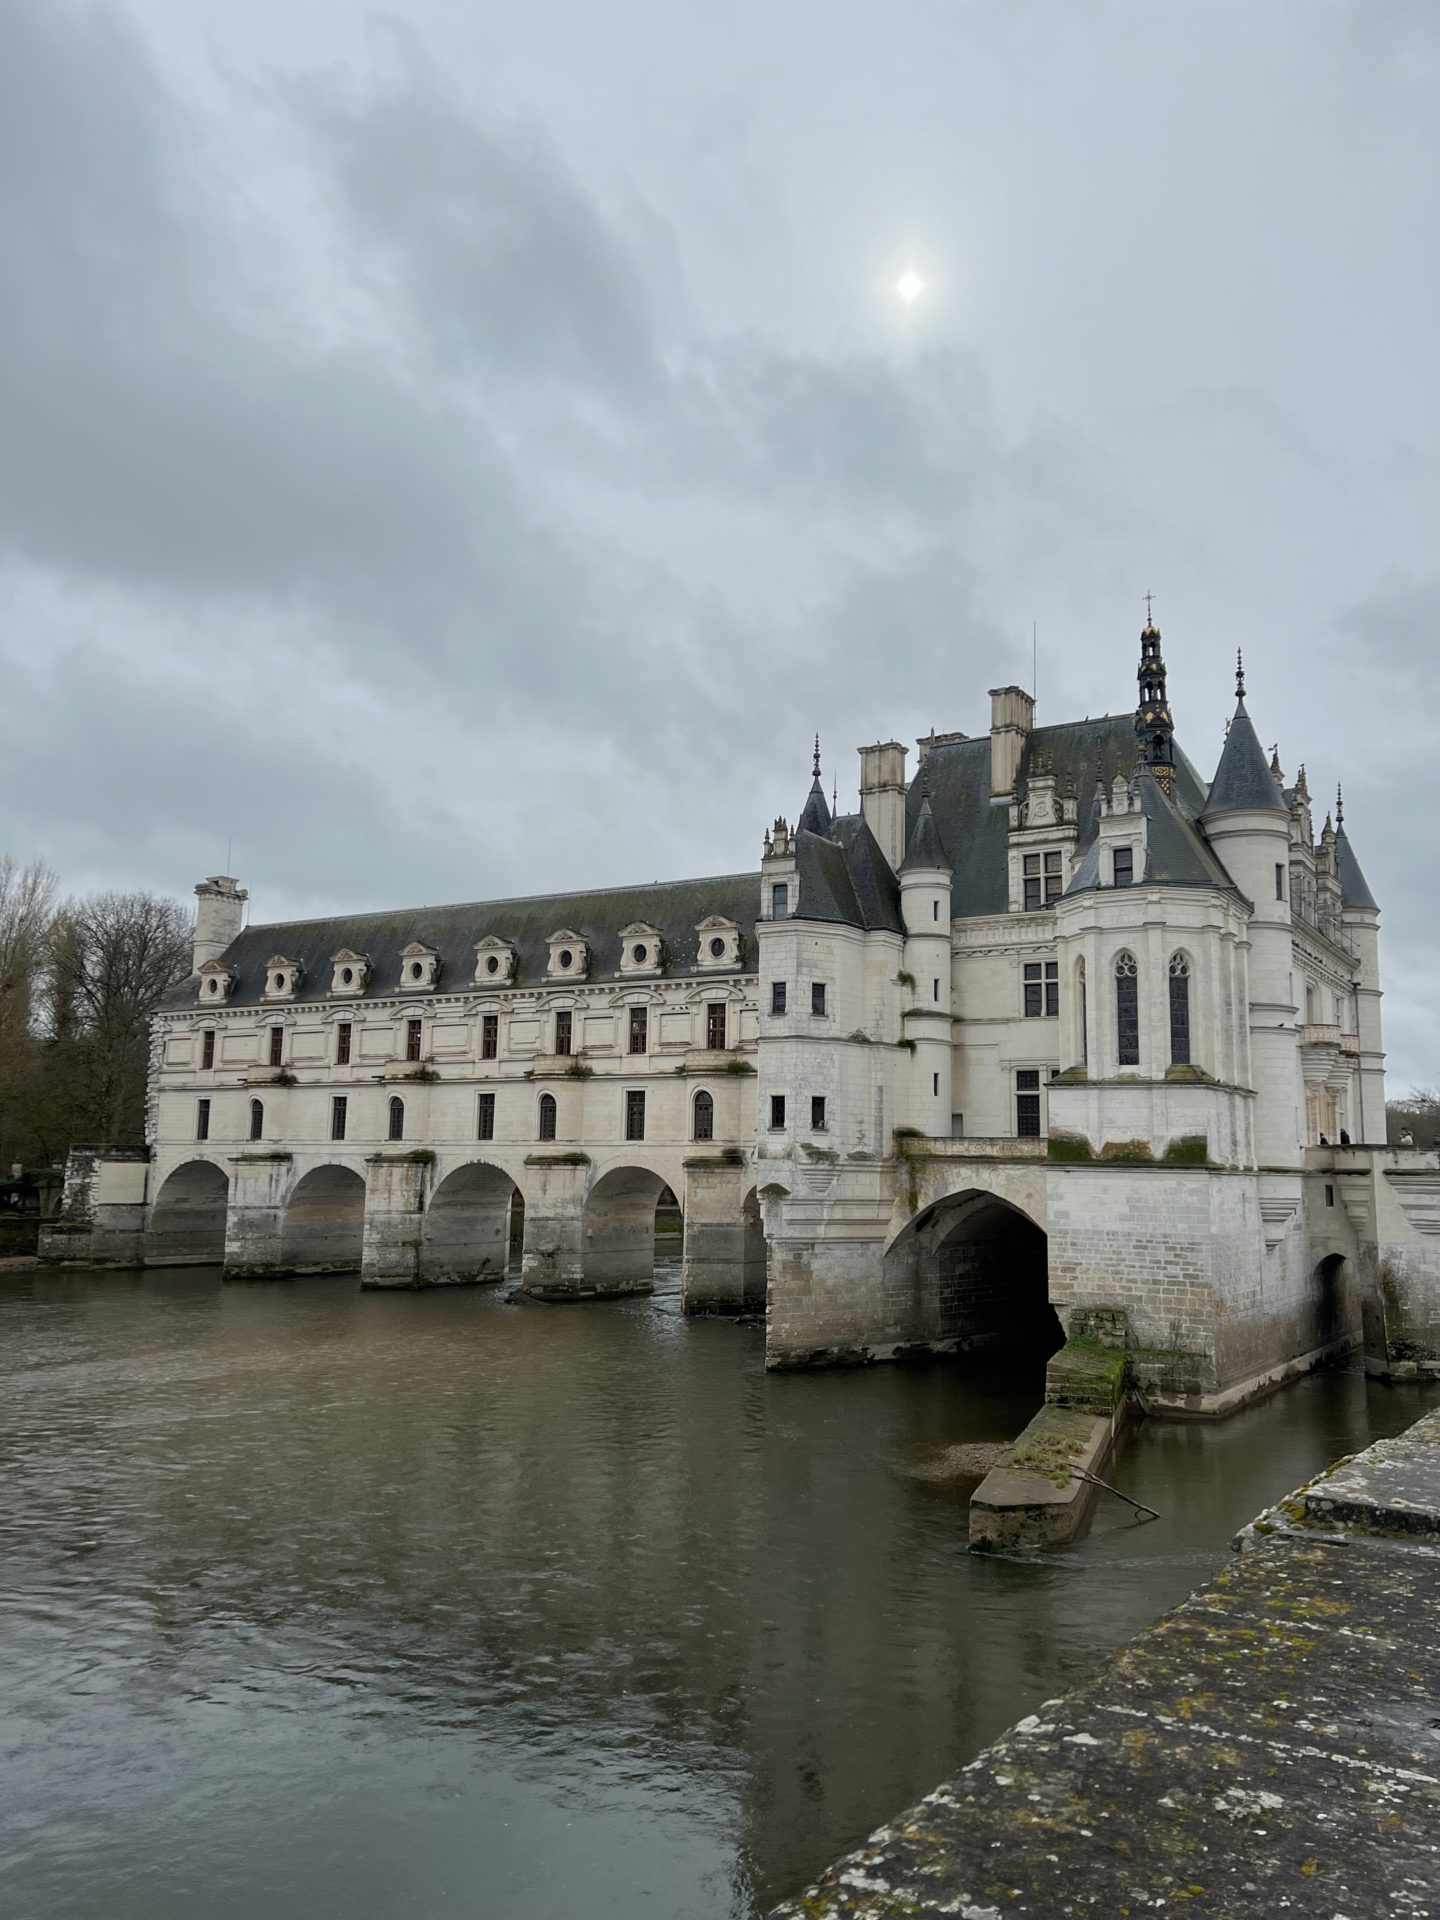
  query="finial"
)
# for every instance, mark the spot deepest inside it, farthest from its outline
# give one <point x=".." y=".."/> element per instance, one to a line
<point x="1239" y="674"/>
<point x="924" y="780"/>
<point x="1339" y="806"/>
<point x="1149" y="622"/>
<point x="835" y="795"/>
<point x="817" y="756"/>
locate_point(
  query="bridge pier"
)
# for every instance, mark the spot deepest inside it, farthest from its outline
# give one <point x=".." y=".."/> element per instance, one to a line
<point x="724" y="1262"/>
<point x="395" y="1191"/>
<point x="552" y="1262"/>
<point x="254" y="1219"/>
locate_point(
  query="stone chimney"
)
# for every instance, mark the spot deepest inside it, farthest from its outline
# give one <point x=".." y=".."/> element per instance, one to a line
<point x="882" y="797"/>
<point x="219" y="913"/>
<point x="1012" y="715"/>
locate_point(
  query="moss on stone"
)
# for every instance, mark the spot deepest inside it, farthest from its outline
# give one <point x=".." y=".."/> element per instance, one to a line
<point x="1069" y="1149"/>
<point x="1189" y="1150"/>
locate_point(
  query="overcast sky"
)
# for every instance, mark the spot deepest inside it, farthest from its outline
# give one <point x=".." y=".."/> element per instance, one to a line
<point x="469" y="449"/>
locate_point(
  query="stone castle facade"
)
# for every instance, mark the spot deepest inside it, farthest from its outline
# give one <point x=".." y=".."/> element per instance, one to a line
<point x="1050" y="1025"/>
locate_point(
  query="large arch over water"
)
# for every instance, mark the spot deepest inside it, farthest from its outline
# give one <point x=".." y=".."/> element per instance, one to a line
<point x="620" y="1229"/>
<point x="474" y="1217"/>
<point x="974" y="1272"/>
<point x="323" y="1229"/>
<point x="187" y="1219"/>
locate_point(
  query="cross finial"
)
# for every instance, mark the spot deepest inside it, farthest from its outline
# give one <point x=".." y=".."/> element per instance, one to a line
<point x="1339" y="807"/>
<point x="817" y="757"/>
<point x="1148" y="621"/>
<point x="1239" y="674"/>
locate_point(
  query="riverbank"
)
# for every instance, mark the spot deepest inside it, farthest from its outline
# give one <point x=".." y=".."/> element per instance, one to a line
<point x="1271" y="1745"/>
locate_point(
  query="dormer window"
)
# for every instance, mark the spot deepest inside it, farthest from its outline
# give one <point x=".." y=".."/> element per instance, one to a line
<point x="419" y="968"/>
<point x="216" y="980"/>
<point x="495" y="962"/>
<point x="717" y="944"/>
<point x="282" y="978"/>
<point x="1044" y="880"/>
<point x="640" y="948"/>
<point x="1123" y="866"/>
<point x="569" y="956"/>
<point x="350" y="972"/>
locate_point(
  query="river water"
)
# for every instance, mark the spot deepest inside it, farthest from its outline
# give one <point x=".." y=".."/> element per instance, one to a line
<point x="319" y="1603"/>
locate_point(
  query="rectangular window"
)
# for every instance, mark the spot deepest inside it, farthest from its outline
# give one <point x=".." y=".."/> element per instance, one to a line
<point x="777" y="996"/>
<point x="634" y="1115"/>
<point x="779" y="900"/>
<point x="934" y="909"/>
<point x="777" y="1112"/>
<point x="1279" y="881"/>
<point x="935" y="994"/>
<point x="935" y="1085"/>
<point x="1329" y="1195"/>
<point x="1054" y="879"/>
<point x="202" y="1119"/>
<point x="485" y="1129"/>
<point x="817" y="1113"/>
<point x="277" y="1046"/>
<point x="639" y="1035"/>
<point x="817" y="996"/>
<point x="715" y="1021"/>
<point x="1031" y="874"/>
<point x="1041" y="986"/>
<point x="1123" y="866"/>
<point x="412" y="1039"/>
<point x="1027" y="1103"/>
<point x="489" y="1036"/>
<point x="207" y="1047"/>
<point x="342" y="1044"/>
<point x="339" y="1108"/>
<point x="563" y="1030"/>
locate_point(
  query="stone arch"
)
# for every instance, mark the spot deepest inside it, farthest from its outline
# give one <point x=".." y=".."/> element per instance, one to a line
<point x="475" y="1216"/>
<point x="187" y="1219"/>
<point x="619" y="1236"/>
<point x="971" y="1270"/>
<point x="324" y="1222"/>
<point x="1330" y="1305"/>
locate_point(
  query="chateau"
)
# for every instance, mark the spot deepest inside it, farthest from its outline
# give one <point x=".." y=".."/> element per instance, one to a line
<point x="1050" y="1025"/>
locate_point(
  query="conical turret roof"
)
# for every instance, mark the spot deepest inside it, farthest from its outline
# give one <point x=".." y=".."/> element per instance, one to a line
<point x="1354" y="892"/>
<point x="923" y="848"/>
<point x="1243" y="781"/>
<point x="815" y="816"/>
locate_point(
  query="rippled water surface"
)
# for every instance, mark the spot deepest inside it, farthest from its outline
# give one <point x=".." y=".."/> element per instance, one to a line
<point x="320" y="1603"/>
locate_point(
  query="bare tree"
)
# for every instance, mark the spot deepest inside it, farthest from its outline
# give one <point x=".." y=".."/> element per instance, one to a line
<point x="112" y="957"/>
<point x="27" y="908"/>
<point x="1420" y="1112"/>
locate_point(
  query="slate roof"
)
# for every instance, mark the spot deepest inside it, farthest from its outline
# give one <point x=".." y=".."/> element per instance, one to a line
<point x="974" y="830"/>
<point x="1353" y="889"/>
<point x="674" y="907"/>
<point x="1243" y="781"/>
<point x="845" y="878"/>
<point x="923" y="848"/>
<point x="815" y="815"/>
<point x="1177" y="853"/>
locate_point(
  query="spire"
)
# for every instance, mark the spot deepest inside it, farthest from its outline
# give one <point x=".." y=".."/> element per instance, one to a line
<point x="1339" y="809"/>
<point x="1243" y="781"/>
<point x="1354" y="889"/>
<point x="815" y="815"/>
<point x="923" y="849"/>
<point x="1154" y="729"/>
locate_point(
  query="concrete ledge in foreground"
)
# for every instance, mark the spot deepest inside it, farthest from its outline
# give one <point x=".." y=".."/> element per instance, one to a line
<point x="1270" y="1747"/>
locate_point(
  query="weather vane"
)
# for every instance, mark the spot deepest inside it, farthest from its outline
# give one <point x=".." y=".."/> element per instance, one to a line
<point x="1148" y="621"/>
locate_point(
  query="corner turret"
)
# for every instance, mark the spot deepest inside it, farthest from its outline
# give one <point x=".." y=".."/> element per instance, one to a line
<point x="815" y="816"/>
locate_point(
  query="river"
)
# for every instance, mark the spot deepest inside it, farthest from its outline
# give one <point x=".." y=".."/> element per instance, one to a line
<point x="320" y="1603"/>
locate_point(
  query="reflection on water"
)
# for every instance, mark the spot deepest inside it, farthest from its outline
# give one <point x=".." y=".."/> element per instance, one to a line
<point x="320" y="1603"/>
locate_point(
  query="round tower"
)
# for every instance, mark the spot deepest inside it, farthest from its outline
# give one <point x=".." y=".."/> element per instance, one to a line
<point x="1247" y="822"/>
<point x="925" y="876"/>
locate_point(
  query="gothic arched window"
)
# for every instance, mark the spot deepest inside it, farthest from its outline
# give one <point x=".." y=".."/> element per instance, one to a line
<point x="547" y="1116"/>
<point x="1082" y="1012"/>
<point x="1179" y="1010"/>
<point x="1127" y="1010"/>
<point x="397" y="1118"/>
<point x="257" y="1119"/>
<point x="704" y="1117"/>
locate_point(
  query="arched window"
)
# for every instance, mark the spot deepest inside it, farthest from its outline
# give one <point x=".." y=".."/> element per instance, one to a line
<point x="1127" y="1010"/>
<point x="704" y="1117"/>
<point x="397" y="1118"/>
<point x="1082" y="1012"/>
<point x="1179" y="1010"/>
<point x="547" y="1116"/>
<point x="257" y="1119"/>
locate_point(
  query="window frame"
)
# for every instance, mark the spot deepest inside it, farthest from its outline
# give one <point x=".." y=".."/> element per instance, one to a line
<point x="547" y="1117"/>
<point x="1127" y="1008"/>
<point x="707" y="1131"/>
<point x="277" y="1047"/>
<point x="818" y="1122"/>
<point x="485" y="1117"/>
<point x="780" y="900"/>
<point x="489" y="1036"/>
<point x="1027" y="1091"/>
<point x="202" y="1117"/>
<point x="819" y="1008"/>
<point x="634" y="1113"/>
<point x="638" y="1028"/>
<point x="1182" y="1038"/>
<point x="207" y="1049"/>
<point x="1128" y="869"/>
<point x="395" y="1118"/>
<point x="564" y="1031"/>
<point x="779" y="997"/>
<point x="344" y="1040"/>
<point x="777" y="1113"/>
<point x="257" y="1120"/>
<point x="717" y="1021"/>
<point x="339" y="1115"/>
<point x="414" y="1040"/>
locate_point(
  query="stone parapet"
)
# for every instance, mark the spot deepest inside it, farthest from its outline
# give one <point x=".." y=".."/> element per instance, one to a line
<point x="1268" y="1747"/>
